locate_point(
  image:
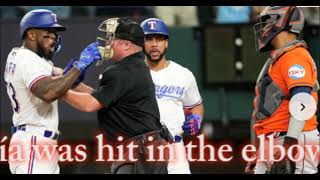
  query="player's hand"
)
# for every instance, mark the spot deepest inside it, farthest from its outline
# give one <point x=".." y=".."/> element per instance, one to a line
<point x="192" y="123"/>
<point x="88" y="56"/>
<point x="285" y="166"/>
<point x="69" y="67"/>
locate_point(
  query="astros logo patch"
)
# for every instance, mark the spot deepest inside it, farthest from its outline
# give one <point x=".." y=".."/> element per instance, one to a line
<point x="296" y="71"/>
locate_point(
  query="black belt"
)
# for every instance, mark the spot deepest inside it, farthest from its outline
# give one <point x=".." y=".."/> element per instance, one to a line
<point x="146" y="138"/>
<point x="160" y="134"/>
<point x="47" y="133"/>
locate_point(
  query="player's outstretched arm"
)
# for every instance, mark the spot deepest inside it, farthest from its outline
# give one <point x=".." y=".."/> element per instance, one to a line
<point x="51" y="88"/>
<point x="82" y="101"/>
<point x="78" y="86"/>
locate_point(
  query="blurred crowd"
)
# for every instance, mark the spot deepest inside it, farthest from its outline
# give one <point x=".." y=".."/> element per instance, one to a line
<point x="172" y="15"/>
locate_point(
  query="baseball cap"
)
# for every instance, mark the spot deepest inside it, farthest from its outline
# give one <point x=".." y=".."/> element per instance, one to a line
<point x="131" y="31"/>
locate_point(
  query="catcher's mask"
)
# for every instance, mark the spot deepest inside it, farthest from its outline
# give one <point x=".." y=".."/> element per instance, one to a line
<point x="109" y="27"/>
<point x="273" y="20"/>
<point x="122" y="28"/>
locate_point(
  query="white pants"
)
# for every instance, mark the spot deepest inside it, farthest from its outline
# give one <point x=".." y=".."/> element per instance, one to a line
<point x="307" y="165"/>
<point x="179" y="163"/>
<point x="27" y="154"/>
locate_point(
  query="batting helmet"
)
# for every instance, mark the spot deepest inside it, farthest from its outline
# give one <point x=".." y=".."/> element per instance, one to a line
<point x="273" y="20"/>
<point x="40" y="18"/>
<point x="154" y="26"/>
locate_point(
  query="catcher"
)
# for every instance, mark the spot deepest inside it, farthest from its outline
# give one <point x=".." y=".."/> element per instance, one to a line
<point x="289" y="73"/>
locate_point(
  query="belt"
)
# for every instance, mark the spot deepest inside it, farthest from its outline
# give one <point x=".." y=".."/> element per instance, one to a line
<point x="177" y="139"/>
<point x="46" y="133"/>
<point x="163" y="133"/>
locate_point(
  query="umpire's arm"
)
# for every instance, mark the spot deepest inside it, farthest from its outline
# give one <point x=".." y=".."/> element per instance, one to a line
<point x="82" y="101"/>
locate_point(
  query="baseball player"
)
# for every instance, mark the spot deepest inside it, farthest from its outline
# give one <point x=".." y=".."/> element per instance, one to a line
<point x="288" y="74"/>
<point x="175" y="89"/>
<point x="33" y="88"/>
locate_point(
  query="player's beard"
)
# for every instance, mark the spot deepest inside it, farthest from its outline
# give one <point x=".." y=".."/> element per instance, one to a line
<point x="42" y="52"/>
<point x="149" y="58"/>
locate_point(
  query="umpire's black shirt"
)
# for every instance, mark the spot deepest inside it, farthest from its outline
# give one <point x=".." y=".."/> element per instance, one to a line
<point x="127" y="92"/>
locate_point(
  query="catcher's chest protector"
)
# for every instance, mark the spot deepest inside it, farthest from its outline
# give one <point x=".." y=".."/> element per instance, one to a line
<point x="269" y="95"/>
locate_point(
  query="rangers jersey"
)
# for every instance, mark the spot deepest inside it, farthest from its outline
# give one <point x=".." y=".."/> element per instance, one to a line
<point x="175" y="88"/>
<point x="23" y="69"/>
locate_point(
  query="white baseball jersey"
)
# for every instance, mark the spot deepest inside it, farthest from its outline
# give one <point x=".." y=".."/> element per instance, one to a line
<point x="176" y="88"/>
<point x="23" y="69"/>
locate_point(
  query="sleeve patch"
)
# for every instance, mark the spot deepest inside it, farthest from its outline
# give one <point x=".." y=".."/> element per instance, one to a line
<point x="296" y="72"/>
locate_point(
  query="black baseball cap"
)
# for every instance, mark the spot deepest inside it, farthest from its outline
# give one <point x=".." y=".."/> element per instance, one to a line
<point x="131" y="31"/>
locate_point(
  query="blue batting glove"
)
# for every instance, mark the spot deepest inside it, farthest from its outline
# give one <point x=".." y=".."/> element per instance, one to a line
<point x="79" y="79"/>
<point x="192" y="124"/>
<point x="88" y="56"/>
<point x="69" y="67"/>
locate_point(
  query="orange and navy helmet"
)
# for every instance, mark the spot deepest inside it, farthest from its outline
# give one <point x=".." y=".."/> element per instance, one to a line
<point x="273" y="20"/>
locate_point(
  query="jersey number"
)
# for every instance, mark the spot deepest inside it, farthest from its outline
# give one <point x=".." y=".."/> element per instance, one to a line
<point x="12" y="95"/>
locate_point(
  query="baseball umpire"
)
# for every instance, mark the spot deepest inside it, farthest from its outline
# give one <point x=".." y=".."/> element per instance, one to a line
<point x="289" y="73"/>
<point x="125" y="99"/>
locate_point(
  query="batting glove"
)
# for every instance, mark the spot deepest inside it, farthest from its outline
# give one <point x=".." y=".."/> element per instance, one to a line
<point x="88" y="56"/>
<point x="69" y="67"/>
<point x="192" y="124"/>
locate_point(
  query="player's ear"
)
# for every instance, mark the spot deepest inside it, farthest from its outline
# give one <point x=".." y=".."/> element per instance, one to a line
<point x="167" y="43"/>
<point x="31" y="34"/>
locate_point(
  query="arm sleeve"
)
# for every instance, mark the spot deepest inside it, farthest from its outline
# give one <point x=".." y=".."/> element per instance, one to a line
<point x="110" y="88"/>
<point x="34" y="70"/>
<point x="300" y="89"/>
<point x="192" y="96"/>
<point x="297" y="70"/>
